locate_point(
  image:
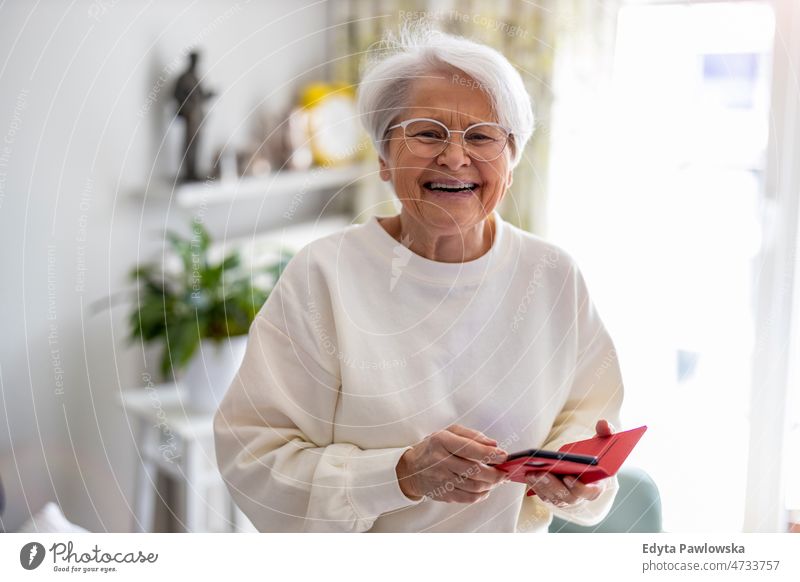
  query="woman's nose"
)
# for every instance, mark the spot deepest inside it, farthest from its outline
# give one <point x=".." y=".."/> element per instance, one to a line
<point x="454" y="155"/>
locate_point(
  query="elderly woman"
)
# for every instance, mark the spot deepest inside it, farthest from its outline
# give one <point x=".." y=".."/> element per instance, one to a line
<point x="398" y="360"/>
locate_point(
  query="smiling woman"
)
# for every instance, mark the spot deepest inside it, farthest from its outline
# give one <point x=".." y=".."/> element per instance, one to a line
<point x="447" y="191"/>
<point x="413" y="102"/>
<point x="499" y="340"/>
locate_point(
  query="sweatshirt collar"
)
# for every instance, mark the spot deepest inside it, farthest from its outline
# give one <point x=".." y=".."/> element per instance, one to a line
<point x="409" y="263"/>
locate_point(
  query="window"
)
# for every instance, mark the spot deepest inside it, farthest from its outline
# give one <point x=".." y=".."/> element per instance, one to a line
<point x="657" y="193"/>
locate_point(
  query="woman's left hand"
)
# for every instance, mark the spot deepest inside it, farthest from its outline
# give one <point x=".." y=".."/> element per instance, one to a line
<point x="566" y="491"/>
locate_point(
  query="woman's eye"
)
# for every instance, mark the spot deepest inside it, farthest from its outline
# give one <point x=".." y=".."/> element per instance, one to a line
<point x="429" y="135"/>
<point x="479" y="137"/>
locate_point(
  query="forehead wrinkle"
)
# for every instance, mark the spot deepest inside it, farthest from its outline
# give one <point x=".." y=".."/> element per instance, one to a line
<point x="448" y="111"/>
<point x="451" y="117"/>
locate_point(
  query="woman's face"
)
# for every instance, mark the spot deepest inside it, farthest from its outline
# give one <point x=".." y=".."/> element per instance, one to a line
<point x="458" y="102"/>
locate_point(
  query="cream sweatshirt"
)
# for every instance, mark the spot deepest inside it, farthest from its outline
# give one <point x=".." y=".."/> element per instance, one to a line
<point x="364" y="348"/>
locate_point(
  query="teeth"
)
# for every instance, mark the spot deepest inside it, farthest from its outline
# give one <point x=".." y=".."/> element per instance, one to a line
<point x="463" y="186"/>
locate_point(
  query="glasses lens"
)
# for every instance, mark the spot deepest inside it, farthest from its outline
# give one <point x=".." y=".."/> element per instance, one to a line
<point x="426" y="138"/>
<point x="485" y="142"/>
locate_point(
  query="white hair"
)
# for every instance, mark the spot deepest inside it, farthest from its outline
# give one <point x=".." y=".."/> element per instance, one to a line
<point x="420" y="50"/>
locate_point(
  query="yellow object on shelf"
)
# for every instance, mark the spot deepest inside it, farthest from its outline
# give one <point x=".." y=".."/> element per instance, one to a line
<point x="316" y="92"/>
<point x="334" y="132"/>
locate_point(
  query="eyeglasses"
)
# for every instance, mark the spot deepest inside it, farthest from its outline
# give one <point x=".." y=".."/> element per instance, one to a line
<point x="427" y="138"/>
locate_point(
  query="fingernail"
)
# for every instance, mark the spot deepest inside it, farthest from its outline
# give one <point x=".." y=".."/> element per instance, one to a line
<point x="544" y="479"/>
<point x="569" y="481"/>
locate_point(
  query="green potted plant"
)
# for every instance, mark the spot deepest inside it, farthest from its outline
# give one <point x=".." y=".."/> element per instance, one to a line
<point x="200" y="309"/>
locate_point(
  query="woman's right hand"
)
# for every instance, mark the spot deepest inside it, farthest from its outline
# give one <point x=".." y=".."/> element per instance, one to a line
<point x="451" y="465"/>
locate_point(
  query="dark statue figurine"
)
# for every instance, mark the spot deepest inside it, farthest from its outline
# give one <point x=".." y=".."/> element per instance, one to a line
<point x="191" y="97"/>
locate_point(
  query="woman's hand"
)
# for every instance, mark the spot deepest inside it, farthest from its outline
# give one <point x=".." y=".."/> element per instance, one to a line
<point x="451" y="465"/>
<point x="568" y="491"/>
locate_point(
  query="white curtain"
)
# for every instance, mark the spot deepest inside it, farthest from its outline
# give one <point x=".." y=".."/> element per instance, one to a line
<point x="772" y="485"/>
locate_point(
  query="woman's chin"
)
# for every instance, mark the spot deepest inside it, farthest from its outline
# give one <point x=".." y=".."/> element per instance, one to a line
<point x="453" y="202"/>
<point x="444" y="217"/>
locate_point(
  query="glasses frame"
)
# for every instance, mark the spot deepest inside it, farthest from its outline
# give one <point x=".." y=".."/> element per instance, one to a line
<point x="448" y="139"/>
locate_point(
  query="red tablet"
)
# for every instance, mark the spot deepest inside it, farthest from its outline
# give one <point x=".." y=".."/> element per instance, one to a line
<point x="589" y="460"/>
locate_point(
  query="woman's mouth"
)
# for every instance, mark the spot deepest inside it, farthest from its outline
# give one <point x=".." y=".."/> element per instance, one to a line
<point x="452" y="188"/>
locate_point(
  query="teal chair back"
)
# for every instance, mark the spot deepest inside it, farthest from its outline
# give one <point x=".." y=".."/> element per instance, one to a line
<point x="636" y="508"/>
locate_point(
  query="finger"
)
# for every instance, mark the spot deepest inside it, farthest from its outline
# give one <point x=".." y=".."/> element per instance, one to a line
<point x="588" y="491"/>
<point x="470" y="485"/>
<point x="477" y="471"/>
<point x="471" y="434"/>
<point x="550" y="488"/>
<point x="604" y="428"/>
<point x="459" y="496"/>
<point x="467" y="448"/>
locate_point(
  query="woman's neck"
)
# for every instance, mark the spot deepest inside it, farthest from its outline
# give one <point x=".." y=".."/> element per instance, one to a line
<point x="460" y="246"/>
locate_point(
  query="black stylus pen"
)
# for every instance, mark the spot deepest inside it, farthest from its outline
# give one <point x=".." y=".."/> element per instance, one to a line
<point x="542" y="454"/>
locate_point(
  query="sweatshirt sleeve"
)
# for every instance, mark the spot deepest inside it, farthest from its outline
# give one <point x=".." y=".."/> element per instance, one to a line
<point x="274" y="432"/>
<point x="596" y="393"/>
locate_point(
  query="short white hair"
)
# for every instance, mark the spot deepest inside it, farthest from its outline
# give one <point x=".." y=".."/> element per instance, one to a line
<point x="395" y="63"/>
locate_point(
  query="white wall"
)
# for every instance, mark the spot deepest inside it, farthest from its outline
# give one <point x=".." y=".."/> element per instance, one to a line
<point x="80" y="141"/>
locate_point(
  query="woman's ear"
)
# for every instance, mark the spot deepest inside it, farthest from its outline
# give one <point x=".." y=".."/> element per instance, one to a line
<point x="385" y="173"/>
<point x="510" y="176"/>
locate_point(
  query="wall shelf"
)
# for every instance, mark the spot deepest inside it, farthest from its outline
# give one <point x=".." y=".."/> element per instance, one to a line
<point x="274" y="184"/>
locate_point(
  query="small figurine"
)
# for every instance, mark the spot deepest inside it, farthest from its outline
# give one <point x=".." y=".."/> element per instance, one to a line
<point x="191" y="97"/>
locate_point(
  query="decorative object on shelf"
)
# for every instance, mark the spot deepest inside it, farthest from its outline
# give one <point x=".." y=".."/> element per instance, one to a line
<point x="271" y="144"/>
<point x="224" y="167"/>
<point x="253" y="160"/>
<point x="296" y="153"/>
<point x="261" y="152"/>
<point x="231" y="164"/>
<point x="191" y="97"/>
<point x="200" y="309"/>
<point x="334" y="133"/>
<point x="322" y="129"/>
<point x="280" y="142"/>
